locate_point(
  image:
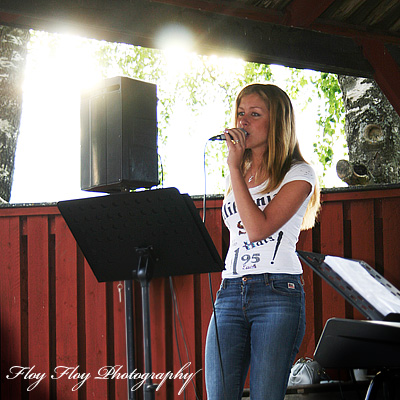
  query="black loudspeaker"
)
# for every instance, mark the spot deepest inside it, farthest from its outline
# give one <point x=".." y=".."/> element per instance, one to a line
<point x="119" y="136"/>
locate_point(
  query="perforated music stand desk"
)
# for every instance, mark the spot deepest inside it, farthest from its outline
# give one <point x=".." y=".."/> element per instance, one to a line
<point x="346" y="343"/>
<point x="110" y="228"/>
<point x="141" y="235"/>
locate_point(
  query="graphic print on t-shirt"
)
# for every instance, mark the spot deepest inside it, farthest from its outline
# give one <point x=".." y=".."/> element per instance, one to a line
<point x="246" y="256"/>
<point x="241" y="228"/>
<point x="275" y="253"/>
<point x="278" y="242"/>
<point x="250" y="261"/>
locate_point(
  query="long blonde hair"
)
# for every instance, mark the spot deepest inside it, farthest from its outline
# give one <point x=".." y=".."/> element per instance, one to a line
<point x="283" y="147"/>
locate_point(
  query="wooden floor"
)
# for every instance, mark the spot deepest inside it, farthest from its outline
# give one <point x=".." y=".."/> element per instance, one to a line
<point x="324" y="391"/>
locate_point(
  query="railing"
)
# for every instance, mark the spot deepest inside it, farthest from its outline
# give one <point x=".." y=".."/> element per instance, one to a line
<point x="55" y="315"/>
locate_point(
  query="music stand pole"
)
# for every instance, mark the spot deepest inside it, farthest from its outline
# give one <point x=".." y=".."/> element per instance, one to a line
<point x="143" y="275"/>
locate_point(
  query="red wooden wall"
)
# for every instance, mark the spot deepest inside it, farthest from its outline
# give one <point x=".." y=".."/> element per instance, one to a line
<point x="55" y="315"/>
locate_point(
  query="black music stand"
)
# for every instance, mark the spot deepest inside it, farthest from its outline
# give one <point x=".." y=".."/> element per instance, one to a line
<point x="346" y="343"/>
<point x="141" y="235"/>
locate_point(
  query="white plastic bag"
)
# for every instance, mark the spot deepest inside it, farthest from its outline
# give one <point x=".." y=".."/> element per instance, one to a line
<point x="305" y="372"/>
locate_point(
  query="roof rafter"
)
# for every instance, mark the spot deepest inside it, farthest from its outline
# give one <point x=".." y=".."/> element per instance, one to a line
<point x="302" y="13"/>
<point x="386" y="70"/>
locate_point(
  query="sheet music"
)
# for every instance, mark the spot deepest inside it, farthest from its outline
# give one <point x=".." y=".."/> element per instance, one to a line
<point x="353" y="273"/>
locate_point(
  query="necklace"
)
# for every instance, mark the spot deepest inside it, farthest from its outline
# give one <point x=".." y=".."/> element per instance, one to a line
<point x="253" y="175"/>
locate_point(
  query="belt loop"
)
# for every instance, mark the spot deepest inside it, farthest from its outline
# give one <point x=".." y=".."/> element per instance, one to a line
<point x="302" y="280"/>
<point x="266" y="278"/>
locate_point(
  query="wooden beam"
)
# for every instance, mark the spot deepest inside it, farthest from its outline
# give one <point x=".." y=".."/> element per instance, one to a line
<point x="351" y="31"/>
<point x="6" y="18"/>
<point x="139" y="23"/>
<point x="302" y="13"/>
<point x="386" y="69"/>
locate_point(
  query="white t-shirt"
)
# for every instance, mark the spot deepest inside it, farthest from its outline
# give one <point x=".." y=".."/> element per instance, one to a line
<point x="276" y="253"/>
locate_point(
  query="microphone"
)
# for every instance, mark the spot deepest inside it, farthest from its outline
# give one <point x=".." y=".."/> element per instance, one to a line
<point x="222" y="136"/>
<point x="218" y="137"/>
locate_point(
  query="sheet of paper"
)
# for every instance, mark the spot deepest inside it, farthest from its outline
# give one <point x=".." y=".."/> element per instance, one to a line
<point x="377" y="294"/>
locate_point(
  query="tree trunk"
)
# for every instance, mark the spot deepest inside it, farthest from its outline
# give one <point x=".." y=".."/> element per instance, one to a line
<point x="372" y="131"/>
<point x="13" y="50"/>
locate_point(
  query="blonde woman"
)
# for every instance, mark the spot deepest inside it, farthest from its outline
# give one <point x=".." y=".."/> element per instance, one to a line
<point x="259" y="318"/>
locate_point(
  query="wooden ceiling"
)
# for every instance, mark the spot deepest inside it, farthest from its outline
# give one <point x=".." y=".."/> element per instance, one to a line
<point x="353" y="37"/>
<point x="351" y="18"/>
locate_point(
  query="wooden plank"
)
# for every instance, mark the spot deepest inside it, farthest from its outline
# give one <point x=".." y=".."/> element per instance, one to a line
<point x="206" y="312"/>
<point x="13" y="211"/>
<point x="226" y="30"/>
<point x="193" y="296"/>
<point x="121" y="392"/>
<point x="38" y="302"/>
<point x="362" y="236"/>
<point x="387" y="70"/>
<point x="303" y="13"/>
<point x="96" y="336"/>
<point x="214" y="225"/>
<point x="352" y="194"/>
<point x="237" y="10"/>
<point x="362" y="231"/>
<point x="66" y="324"/>
<point x="161" y="331"/>
<point x="332" y="243"/>
<point x="10" y="306"/>
<point x="308" y="345"/>
<point x="198" y="368"/>
<point x="185" y="329"/>
<point x="277" y="17"/>
<point x="391" y="240"/>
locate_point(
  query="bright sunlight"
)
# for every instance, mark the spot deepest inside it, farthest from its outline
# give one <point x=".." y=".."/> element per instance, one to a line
<point x="59" y="67"/>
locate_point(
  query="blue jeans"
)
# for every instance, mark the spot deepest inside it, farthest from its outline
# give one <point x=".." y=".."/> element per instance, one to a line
<point x="260" y="324"/>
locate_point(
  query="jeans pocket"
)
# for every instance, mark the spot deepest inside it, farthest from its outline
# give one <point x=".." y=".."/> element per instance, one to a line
<point x="220" y="290"/>
<point x="287" y="287"/>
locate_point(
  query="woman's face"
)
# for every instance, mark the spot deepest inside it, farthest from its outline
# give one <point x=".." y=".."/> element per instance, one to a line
<point x="253" y="116"/>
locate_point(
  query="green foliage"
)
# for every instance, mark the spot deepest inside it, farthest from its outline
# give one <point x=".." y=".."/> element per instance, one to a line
<point x="206" y="80"/>
<point x="195" y="83"/>
<point x="139" y="63"/>
<point x="330" y="119"/>
<point x="203" y="82"/>
<point x="296" y="83"/>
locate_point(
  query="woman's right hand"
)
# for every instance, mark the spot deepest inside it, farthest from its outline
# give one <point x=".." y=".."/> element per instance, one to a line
<point x="236" y="142"/>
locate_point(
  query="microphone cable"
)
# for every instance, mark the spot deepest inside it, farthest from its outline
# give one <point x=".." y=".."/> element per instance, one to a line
<point x="209" y="274"/>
